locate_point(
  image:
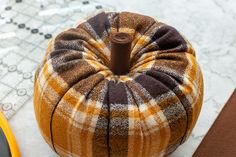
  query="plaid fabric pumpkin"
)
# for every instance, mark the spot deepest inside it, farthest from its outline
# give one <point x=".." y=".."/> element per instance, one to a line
<point x="84" y="110"/>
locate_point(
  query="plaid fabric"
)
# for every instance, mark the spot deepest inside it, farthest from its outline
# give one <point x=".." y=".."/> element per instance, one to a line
<point x="84" y="110"/>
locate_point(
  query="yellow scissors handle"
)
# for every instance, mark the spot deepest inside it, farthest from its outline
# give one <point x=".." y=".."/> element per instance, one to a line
<point x="7" y="137"/>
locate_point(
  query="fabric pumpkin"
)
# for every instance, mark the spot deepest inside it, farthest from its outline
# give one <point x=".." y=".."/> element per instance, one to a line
<point x="84" y="110"/>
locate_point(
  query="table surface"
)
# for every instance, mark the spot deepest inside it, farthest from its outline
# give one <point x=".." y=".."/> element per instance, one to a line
<point x="209" y="25"/>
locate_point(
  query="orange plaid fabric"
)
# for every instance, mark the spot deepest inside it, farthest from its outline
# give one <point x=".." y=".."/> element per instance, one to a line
<point x="84" y="110"/>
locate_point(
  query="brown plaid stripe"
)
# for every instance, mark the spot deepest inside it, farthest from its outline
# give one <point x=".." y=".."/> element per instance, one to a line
<point x="84" y="110"/>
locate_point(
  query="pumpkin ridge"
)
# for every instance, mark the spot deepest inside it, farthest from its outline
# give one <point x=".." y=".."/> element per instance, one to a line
<point x="134" y="44"/>
<point x="51" y="119"/>
<point x="177" y="95"/>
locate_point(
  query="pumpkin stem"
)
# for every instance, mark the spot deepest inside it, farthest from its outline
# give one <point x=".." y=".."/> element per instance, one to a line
<point x="120" y="53"/>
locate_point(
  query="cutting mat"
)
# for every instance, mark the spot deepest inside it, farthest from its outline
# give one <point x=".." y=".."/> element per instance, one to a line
<point x="25" y="28"/>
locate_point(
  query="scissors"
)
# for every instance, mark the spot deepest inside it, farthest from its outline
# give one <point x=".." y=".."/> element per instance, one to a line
<point x="8" y="145"/>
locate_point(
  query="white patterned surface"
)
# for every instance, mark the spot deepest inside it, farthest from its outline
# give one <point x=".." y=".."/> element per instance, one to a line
<point x="208" y="24"/>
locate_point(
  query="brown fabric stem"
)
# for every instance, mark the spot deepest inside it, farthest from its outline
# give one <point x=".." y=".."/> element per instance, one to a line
<point x="120" y="53"/>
